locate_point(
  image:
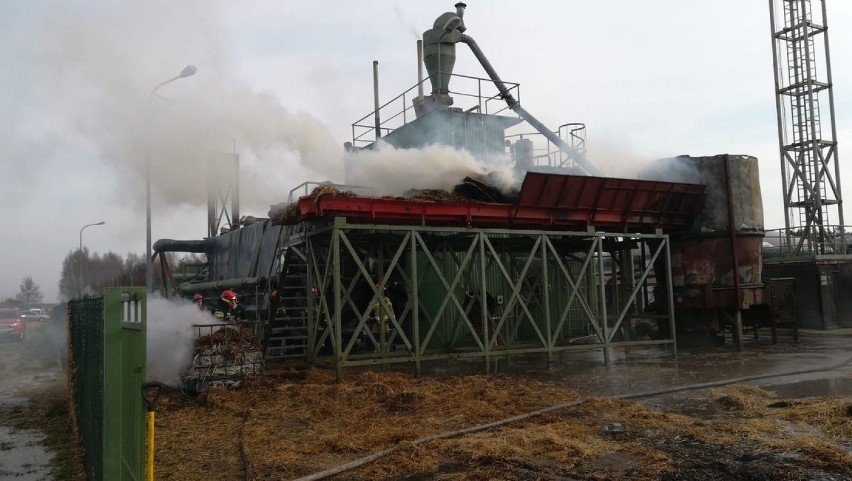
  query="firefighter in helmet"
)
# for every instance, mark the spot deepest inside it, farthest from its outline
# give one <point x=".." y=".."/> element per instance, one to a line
<point x="383" y="316"/>
<point x="227" y="307"/>
<point x="198" y="299"/>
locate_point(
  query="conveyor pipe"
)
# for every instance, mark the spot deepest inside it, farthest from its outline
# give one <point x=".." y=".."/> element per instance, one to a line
<point x="522" y="112"/>
<point x="237" y="283"/>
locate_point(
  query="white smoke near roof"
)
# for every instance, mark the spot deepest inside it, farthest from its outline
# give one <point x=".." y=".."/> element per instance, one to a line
<point x="171" y="338"/>
<point x="89" y="69"/>
<point x="392" y="171"/>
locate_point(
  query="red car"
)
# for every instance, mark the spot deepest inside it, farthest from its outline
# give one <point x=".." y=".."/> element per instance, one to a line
<point x="11" y="324"/>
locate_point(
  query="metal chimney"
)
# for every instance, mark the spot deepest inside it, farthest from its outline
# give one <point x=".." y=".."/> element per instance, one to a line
<point x="460" y="12"/>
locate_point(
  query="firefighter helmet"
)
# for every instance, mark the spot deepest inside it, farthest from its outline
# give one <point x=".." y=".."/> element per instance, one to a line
<point x="229" y="296"/>
<point x="198" y="297"/>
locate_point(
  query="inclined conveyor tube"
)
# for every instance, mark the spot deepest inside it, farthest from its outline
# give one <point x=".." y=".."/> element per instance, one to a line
<point x="522" y="112"/>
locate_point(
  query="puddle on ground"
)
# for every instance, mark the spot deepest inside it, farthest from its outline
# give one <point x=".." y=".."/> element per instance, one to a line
<point x="833" y="386"/>
<point x="22" y="455"/>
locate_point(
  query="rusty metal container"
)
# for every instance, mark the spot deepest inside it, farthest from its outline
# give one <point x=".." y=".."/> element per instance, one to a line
<point x="718" y="262"/>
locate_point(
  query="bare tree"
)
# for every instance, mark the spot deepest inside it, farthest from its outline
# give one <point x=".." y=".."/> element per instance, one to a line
<point x="30" y="293"/>
<point x="101" y="271"/>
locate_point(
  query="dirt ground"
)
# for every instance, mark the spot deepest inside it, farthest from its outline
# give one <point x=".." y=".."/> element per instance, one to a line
<point x="294" y="422"/>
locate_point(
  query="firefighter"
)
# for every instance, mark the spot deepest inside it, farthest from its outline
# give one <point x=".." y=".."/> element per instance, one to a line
<point x="198" y="299"/>
<point x="227" y="308"/>
<point x="383" y="316"/>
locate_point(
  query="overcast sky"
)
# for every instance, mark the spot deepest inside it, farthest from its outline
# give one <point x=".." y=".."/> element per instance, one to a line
<point x="284" y="80"/>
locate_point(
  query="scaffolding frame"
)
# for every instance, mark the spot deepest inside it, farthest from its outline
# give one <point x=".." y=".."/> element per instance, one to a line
<point x="810" y="168"/>
<point x="477" y="293"/>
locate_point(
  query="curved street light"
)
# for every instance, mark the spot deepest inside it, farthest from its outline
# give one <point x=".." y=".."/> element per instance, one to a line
<point x="187" y="71"/>
<point x="81" y="253"/>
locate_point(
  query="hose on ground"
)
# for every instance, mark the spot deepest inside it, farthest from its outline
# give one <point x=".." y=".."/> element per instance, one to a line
<point x="484" y="427"/>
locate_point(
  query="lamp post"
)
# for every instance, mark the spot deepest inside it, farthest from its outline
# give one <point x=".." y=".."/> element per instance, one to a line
<point x="187" y="71"/>
<point x="81" y="253"/>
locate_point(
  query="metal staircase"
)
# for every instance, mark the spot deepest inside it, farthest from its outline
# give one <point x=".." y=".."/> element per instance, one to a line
<point x="287" y="333"/>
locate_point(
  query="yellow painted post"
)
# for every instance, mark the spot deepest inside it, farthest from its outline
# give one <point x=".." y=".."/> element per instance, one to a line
<point x="150" y="393"/>
<point x="149" y="464"/>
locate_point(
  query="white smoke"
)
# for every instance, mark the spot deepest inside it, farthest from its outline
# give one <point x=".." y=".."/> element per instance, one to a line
<point x="90" y="69"/>
<point x="171" y="337"/>
<point x="392" y="171"/>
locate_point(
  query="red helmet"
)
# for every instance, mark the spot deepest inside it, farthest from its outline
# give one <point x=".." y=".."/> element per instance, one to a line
<point x="198" y="297"/>
<point x="229" y="295"/>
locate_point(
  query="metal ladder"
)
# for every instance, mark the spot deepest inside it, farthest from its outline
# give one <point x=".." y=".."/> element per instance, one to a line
<point x="806" y="128"/>
<point x="287" y="336"/>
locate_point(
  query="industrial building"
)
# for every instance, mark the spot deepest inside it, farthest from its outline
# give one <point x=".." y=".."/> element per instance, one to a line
<point x="567" y="260"/>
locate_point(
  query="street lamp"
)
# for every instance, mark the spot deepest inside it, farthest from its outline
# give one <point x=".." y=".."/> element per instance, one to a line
<point x="187" y="71"/>
<point x="81" y="253"/>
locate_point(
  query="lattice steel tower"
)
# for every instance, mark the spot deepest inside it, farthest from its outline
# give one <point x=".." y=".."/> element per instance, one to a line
<point x="806" y="132"/>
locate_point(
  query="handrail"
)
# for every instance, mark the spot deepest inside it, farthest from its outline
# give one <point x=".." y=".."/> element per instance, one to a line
<point x="786" y="242"/>
<point x="364" y="129"/>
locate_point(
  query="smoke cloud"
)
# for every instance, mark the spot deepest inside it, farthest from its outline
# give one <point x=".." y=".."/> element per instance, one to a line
<point x="171" y="337"/>
<point x="89" y="70"/>
<point x="392" y="171"/>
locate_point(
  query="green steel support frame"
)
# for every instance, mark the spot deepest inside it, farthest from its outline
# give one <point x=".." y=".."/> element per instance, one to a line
<point x="469" y="292"/>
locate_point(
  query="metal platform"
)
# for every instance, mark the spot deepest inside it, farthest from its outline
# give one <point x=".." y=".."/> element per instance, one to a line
<point x="546" y="201"/>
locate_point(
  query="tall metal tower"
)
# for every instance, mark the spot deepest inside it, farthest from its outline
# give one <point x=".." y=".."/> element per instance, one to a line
<point x="806" y="131"/>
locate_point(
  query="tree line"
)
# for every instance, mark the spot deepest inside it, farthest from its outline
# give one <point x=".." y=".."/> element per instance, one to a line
<point x="89" y="273"/>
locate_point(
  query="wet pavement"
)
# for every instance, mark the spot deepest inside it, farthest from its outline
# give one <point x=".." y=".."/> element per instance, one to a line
<point x="23" y="456"/>
<point x="643" y="370"/>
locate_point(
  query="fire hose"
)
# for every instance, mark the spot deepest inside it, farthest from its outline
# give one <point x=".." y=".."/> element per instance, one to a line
<point x="484" y="427"/>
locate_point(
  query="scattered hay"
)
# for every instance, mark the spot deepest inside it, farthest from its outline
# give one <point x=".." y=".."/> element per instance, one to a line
<point x="723" y="433"/>
<point x="742" y="396"/>
<point x="328" y="189"/>
<point x="285" y="214"/>
<point x="289" y="214"/>
<point x="434" y="195"/>
<point x="833" y="415"/>
<point x="815" y="451"/>
<point x="296" y="422"/>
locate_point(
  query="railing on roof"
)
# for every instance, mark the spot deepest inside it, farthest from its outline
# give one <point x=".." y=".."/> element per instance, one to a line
<point x="546" y="154"/>
<point x="305" y="188"/>
<point x="472" y="94"/>
<point x="788" y="243"/>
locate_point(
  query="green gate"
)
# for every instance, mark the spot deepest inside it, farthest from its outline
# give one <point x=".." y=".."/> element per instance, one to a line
<point x="107" y="369"/>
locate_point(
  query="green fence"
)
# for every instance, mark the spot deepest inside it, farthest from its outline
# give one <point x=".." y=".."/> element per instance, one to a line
<point x="107" y="369"/>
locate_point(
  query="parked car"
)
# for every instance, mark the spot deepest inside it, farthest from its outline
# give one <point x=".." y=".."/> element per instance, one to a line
<point x="35" y="315"/>
<point x="11" y="324"/>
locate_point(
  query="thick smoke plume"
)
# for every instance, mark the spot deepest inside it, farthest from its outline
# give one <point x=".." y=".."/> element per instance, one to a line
<point x="392" y="171"/>
<point x="90" y="69"/>
<point x="171" y="337"/>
